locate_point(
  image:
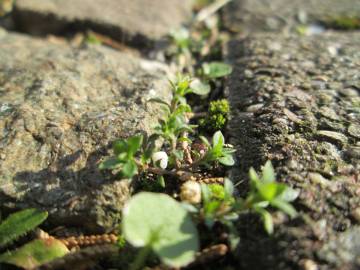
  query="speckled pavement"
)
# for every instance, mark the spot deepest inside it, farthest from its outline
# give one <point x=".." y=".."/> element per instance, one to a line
<point x="295" y="100"/>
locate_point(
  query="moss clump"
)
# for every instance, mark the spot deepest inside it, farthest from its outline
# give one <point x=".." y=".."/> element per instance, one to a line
<point x="218" y="114"/>
<point x="343" y="23"/>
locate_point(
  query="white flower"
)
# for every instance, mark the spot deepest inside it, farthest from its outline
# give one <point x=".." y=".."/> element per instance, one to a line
<point x="162" y="157"/>
<point x="191" y="192"/>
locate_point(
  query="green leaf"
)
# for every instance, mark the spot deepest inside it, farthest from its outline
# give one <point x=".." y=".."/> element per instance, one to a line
<point x="129" y="169"/>
<point x="200" y="88"/>
<point x="160" y="222"/>
<point x="159" y="100"/>
<point x="161" y="181"/>
<point x="268" y="174"/>
<point x="218" y="140"/>
<point x="134" y="143"/>
<point x="289" y="194"/>
<point x="204" y="140"/>
<point x="205" y="193"/>
<point x="110" y="164"/>
<point x="35" y="253"/>
<point x="216" y="70"/>
<point x="181" y="109"/>
<point x="120" y="146"/>
<point x="181" y="99"/>
<point x="178" y="154"/>
<point x="19" y="223"/>
<point x="285" y="207"/>
<point x="268" y="191"/>
<point x="267" y="219"/>
<point x="211" y="207"/>
<point x="253" y="175"/>
<point x="228" y="187"/>
<point x="227" y="160"/>
<point x="228" y="150"/>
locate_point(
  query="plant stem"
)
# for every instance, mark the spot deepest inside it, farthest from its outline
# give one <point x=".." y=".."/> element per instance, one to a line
<point x="140" y="258"/>
<point x="159" y="171"/>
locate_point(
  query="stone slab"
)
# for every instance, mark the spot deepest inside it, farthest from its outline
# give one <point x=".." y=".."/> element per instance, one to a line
<point x="60" y="109"/>
<point x="296" y="101"/>
<point x="283" y="15"/>
<point x="136" y="22"/>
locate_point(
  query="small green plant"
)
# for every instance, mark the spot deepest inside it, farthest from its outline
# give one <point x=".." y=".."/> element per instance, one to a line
<point x="163" y="226"/>
<point x="124" y="159"/>
<point x="91" y="38"/>
<point x="139" y="153"/>
<point x="216" y="152"/>
<point x="218" y="203"/>
<point x="34" y="253"/>
<point x="181" y="39"/>
<point x="217" y="116"/>
<point x="265" y="192"/>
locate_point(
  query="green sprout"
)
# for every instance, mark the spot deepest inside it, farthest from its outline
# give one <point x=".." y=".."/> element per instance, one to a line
<point x="124" y="159"/>
<point x="216" y="152"/>
<point x="264" y="192"/>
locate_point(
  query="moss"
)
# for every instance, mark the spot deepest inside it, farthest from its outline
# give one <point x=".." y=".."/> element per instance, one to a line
<point x="343" y="23"/>
<point x="218" y="114"/>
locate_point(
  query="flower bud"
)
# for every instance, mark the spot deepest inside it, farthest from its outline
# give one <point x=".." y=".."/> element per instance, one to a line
<point x="162" y="157"/>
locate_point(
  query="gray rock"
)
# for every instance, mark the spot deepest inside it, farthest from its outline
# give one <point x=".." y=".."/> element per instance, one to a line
<point x="332" y="136"/>
<point x="345" y="246"/>
<point x="354" y="130"/>
<point x="288" y="129"/>
<point x="61" y="108"/>
<point x="277" y="15"/>
<point x="135" y="22"/>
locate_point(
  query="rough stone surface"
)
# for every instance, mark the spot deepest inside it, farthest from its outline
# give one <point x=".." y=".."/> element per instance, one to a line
<point x="60" y="108"/>
<point x="345" y="246"/>
<point x="300" y="83"/>
<point x="276" y="15"/>
<point x="136" y="22"/>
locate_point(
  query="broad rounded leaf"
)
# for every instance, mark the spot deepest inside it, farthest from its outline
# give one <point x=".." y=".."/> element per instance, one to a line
<point x="200" y="88"/>
<point x="109" y="164"/>
<point x="129" y="169"/>
<point x="218" y="140"/>
<point x="216" y="70"/>
<point x="134" y="143"/>
<point x="159" y="221"/>
<point x="227" y="160"/>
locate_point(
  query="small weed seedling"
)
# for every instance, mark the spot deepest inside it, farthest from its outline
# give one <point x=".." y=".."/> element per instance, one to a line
<point x="264" y="192"/>
<point x="140" y="154"/>
<point x="216" y="152"/>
